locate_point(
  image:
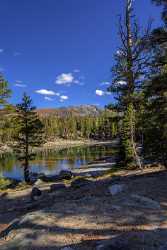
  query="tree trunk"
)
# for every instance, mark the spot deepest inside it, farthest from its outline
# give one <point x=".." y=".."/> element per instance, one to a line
<point x="26" y="173"/>
<point x="132" y="135"/>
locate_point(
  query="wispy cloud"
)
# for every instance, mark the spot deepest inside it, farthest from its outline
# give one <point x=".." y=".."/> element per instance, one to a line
<point x="77" y="81"/>
<point x="46" y="92"/>
<point x="1" y="50"/>
<point x="105" y="83"/>
<point x="20" y="85"/>
<point x="100" y="92"/>
<point x="16" y="53"/>
<point x="19" y="81"/>
<point x="47" y="98"/>
<point x="76" y="70"/>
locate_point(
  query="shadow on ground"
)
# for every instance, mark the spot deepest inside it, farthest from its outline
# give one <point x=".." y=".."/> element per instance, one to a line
<point x="89" y="217"/>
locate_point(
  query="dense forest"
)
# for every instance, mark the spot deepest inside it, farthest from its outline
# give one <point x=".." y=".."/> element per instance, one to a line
<point x="100" y="126"/>
<point x="138" y="116"/>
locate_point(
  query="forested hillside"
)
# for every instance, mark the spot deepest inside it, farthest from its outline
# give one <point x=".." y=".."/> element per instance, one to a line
<point x="84" y="122"/>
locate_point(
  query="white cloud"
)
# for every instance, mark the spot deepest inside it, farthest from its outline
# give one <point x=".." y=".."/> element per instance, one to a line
<point x="105" y="83"/>
<point x="47" y="98"/>
<point x="99" y="92"/>
<point x="1" y="50"/>
<point x="20" y="85"/>
<point x="63" y="98"/>
<point x="65" y="79"/>
<point x="46" y="92"/>
<point x="68" y="78"/>
<point x="121" y="82"/>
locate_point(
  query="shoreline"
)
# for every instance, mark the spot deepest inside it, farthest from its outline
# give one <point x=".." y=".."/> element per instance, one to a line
<point x="61" y="144"/>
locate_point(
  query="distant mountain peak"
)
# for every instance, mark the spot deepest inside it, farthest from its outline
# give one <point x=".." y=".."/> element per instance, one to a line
<point x="82" y="110"/>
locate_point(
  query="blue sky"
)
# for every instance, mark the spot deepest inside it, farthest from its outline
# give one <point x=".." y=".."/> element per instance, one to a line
<point x="61" y="51"/>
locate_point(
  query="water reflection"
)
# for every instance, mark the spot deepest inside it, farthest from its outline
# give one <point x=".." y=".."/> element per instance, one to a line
<point x="51" y="161"/>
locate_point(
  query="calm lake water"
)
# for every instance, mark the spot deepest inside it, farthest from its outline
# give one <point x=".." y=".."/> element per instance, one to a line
<point x="50" y="162"/>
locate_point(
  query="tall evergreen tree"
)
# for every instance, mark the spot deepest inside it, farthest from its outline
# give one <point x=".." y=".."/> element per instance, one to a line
<point x="29" y="133"/>
<point x="128" y="74"/>
<point x="155" y="139"/>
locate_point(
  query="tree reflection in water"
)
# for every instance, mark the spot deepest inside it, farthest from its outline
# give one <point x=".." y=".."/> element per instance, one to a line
<point x="49" y="161"/>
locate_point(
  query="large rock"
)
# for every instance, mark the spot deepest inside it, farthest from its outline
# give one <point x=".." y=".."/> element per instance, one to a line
<point x="57" y="187"/>
<point x="116" y="189"/>
<point x="80" y="182"/>
<point x="50" y="178"/>
<point x="35" y="193"/>
<point x="39" y="182"/>
<point x="65" y="175"/>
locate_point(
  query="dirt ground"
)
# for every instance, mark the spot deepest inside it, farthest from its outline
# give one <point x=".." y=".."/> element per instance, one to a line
<point x="89" y="217"/>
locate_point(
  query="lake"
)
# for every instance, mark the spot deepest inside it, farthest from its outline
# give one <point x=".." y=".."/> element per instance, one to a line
<point x="51" y="161"/>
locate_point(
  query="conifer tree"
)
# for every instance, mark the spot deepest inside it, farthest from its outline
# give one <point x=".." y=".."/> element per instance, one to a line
<point x="128" y="74"/>
<point x="155" y="136"/>
<point x="29" y="133"/>
<point x="5" y="92"/>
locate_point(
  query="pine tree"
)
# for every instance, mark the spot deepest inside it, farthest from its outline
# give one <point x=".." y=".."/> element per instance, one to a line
<point x="155" y="136"/>
<point x="5" y="92"/>
<point x="29" y="133"/>
<point x="128" y="74"/>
